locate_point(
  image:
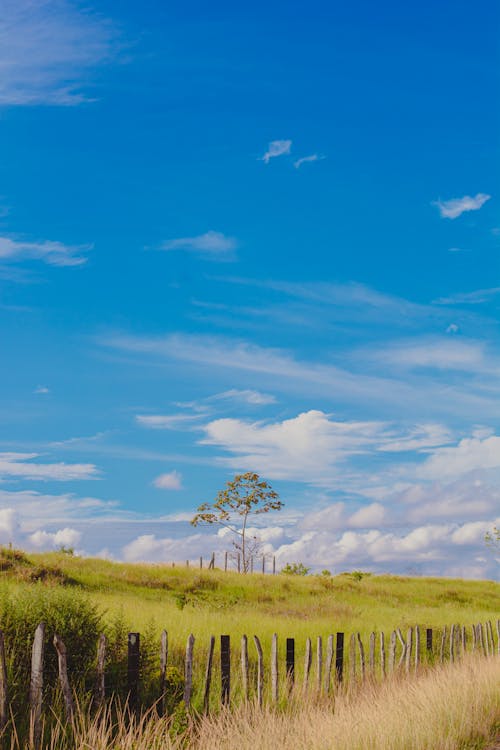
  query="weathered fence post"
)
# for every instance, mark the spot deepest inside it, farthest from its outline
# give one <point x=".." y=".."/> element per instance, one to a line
<point x="452" y="643"/>
<point x="208" y="674"/>
<point x="361" y="656"/>
<point x="225" y="562"/>
<point x="481" y="637"/>
<point x="225" y="669"/>
<point x="36" y="686"/>
<point x="188" y="671"/>
<point x="307" y="662"/>
<point x="443" y="642"/>
<point x="392" y="652"/>
<point x="239" y="562"/>
<point x="464" y="639"/>
<point x="382" y="654"/>
<point x="491" y="639"/>
<point x="290" y="661"/>
<point x="211" y="564"/>
<point x="274" y="565"/>
<point x="498" y="637"/>
<point x="403" y="646"/>
<point x="474" y="638"/>
<point x="371" y="658"/>
<point x="100" y="686"/>
<point x="244" y="665"/>
<point x="417" y="647"/>
<point x="274" y="668"/>
<point x="63" y="677"/>
<point x="4" y="695"/>
<point x="352" y="658"/>
<point x="263" y="564"/>
<point x="328" y="663"/>
<point x="201" y="563"/>
<point x="319" y="662"/>
<point x="260" y="671"/>
<point x="339" y="658"/>
<point x="133" y="659"/>
<point x="163" y="670"/>
<point x="428" y="641"/>
<point x="409" y="647"/>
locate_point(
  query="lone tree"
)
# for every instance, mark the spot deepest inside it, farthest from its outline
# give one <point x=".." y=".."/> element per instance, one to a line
<point x="245" y="495"/>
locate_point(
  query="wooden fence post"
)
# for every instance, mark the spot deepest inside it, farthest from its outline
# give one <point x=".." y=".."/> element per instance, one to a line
<point x="428" y="641"/>
<point x="307" y="662"/>
<point x="188" y="671"/>
<point x="244" y="665"/>
<point x="474" y="638"/>
<point x="201" y="562"/>
<point x="339" y="658"/>
<point x="409" y="648"/>
<point x="263" y="564"/>
<point x="36" y="686"/>
<point x="361" y="655"/>
<point x="352" y="658"/>
<point x="211" y="564"/>
<point x="274" y="565"/>
<point x="290" y="661"/>
<point x="260" y="671"/>
<point x="452" y="644"/>
<point x="4" y="695"/>
<point x="100" y="686"/>
<point x="404" y="647"/>
<point x="490" y="637"/>
<point x="481" y="637"/>
<point x="382" y="654"/>
<point x="371" y="658"/>
<point x="225" y="562"/>
<point x="63" y="677"/>
<point x="319" y="662"/>
<point x="464" y="639"/>
<point x="392" y="652"/>
<point x="328" y="663"/>
<point x="443" y="642"/>
<point x="208" y="675"/>
<point x="417" y="647"/>
<point x="133" y="659"/>
<point x="498" y="637"/>
<point x="239" y="562"/>
<point x="163" y="670"/>
<point x="225" y="669"/>
<point x="274" y="668"/>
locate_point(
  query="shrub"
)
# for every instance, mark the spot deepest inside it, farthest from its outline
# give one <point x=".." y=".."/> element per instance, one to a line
<point x="295" y="569"/>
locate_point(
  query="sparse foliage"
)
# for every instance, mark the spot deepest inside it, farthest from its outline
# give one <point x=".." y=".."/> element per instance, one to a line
<point x="245" y="495"/>
<point x="296" y="569"/>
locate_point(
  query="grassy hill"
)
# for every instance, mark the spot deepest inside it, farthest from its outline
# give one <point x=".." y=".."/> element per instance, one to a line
<point x="184" y="600"/>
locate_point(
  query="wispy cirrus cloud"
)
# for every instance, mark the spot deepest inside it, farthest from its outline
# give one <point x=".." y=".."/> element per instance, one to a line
<point x="168" y="421"/>
<point x="455" y="207"/>
<point x="275" y="149"/>
<point x="49" y="252"/>
<point x="22" y="466"/>
<point x="476" y="297"/>
<point x="47" y="48"/>
<point x="214" y="245"/>
<point x="306" y="159"/>
<point x="172" y="480"/>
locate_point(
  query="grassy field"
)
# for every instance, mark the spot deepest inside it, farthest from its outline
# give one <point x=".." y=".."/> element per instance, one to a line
<point x="207" y="602"/>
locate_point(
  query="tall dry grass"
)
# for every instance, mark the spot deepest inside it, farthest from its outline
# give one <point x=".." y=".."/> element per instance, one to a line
<point x="452" y="707"/>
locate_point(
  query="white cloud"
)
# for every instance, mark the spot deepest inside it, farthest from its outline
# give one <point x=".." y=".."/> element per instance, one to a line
<point x="212" y="244"/>
<point x="16" y="466"/>
<point x="368" y="516"/>
<point x="305" y="159"/>
<point x="47" y="48"/>
<point x="8" y="524"/>
<point x="42" y="389"/>
<point x="62" y="538"/>
<point x="51" y="253"/>
<point x="247" y="396"/>
<point x="170" y="481"/>
<point x="276" y="148"/>
<point x="469" y="455"/>
<point x="419" y="438"/>
<point x="453" y="208"/>
<point x="167" y="421"/>
<point x="305" y="448"/>
<point x="476" y="297"/>
<point x="452" y="328"/>
<point x="439" y="353"/>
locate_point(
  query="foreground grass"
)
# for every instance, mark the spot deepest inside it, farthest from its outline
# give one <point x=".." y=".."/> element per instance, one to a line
<point x="449" y="708"/>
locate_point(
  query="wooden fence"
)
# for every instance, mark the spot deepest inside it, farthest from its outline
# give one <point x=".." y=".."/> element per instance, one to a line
<point x="335" y="669"/>
<point x="255" y="563"/>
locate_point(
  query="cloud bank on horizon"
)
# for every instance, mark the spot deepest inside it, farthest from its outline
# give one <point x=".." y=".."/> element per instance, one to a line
<point x="349" y="350"/>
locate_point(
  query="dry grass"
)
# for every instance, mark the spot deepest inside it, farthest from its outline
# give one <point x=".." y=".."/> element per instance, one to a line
<point x="450" y="708"/>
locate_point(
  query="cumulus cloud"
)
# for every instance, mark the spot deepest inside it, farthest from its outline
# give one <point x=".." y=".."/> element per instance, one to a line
<point x="62" y="538"/>
<point x="211" y="244"/>
<point x="455" y="207"/>
<point x="21" y="466"/>
<point x="51" y="253"/>
<point x="8" y="524"/>
<point x="169" y="481"/>
<point x="276" y="148"/>
<point x="47" y="49"/>
<point x="469" y="455"/>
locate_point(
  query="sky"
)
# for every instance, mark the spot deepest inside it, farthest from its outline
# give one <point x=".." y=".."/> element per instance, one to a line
<point x="251" y="237"/>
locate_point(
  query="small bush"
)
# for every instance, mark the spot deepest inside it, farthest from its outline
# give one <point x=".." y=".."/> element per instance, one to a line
<point x="295" y="569"/>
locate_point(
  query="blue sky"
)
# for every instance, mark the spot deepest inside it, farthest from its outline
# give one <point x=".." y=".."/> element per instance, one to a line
<point x="258" y="237"/>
